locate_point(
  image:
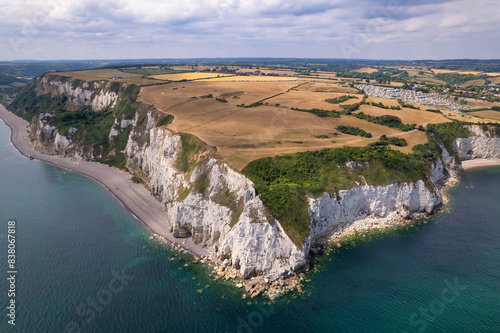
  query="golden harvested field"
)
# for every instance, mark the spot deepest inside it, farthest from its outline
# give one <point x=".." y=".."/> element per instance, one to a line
<point x="407" y="116"/>
<point x="397" y="84"/>
<point x="415" y="70"/>
<point x="476" y="103"/>
<point x="304" y="99"/>
<point x="244" y="134"/>
<point x="455" y="116"/>
<point x="106" y="74"/>
<point x="167" y="96"/>
<point x="188" y="76"/>
<point x="327" y="86"/>
<point x="488" y="114"/>
<point x="441" y="71"/>
<point x="366" y="70"/>
<point x="327" y="75"/>
<point x="245" y="78"/>
<point x="478" y="82"/>
<point x="495" y="80"/>
<point x="266" y="71"/>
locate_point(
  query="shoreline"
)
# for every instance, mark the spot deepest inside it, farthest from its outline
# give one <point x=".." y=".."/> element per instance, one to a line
<point x="134" y="197"/>
<point x="137" y="199"/>
<point x="480" y="163"/>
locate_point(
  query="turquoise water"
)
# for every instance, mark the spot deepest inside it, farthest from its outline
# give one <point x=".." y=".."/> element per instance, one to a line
<point x="74" y="239"/>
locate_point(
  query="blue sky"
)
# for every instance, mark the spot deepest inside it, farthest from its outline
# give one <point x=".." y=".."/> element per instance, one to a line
<point x="365" y="29"/>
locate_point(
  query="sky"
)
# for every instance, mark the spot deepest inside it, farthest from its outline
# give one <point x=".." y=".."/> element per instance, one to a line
<point x="142" y="29"/>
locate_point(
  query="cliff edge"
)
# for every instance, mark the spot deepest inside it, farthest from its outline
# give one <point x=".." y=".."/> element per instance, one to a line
<point x="216" y="205"/>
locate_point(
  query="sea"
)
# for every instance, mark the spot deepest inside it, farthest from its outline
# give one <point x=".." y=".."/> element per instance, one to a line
<point x="83" y="263"/>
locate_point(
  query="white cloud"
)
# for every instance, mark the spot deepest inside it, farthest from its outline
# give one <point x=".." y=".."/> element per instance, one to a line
<point x="186" y="28"/>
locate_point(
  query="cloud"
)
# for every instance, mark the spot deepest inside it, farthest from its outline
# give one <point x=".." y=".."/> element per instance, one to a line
<point x="285" y="28"/>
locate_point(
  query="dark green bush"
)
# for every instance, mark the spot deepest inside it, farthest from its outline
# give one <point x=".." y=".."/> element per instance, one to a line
<point x="351" y="130"/>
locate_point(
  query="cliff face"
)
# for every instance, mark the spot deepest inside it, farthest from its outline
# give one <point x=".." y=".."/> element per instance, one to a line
<point x="232" y="221"/>
<point x="374" y="202"/>
<point x="79" y="94"/>
<point x="218" y="207"/>
<point x="94" y="118"/>
<point x="484" y="143"/>
<point x="47" y="139"/>
<point x="225" y="216"/>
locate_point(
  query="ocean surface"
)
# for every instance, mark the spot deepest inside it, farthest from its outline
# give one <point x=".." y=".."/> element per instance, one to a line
<point x="85" y="264"/>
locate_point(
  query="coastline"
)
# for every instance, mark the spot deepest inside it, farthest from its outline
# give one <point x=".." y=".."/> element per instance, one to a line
<point x="138" y="200"/>
<point x="134" y="197"/>
<point x="479" y="163"/>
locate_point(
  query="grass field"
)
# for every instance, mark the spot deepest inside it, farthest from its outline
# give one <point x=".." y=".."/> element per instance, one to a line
<point x="245" y="78"/>
<point x="476" y="104"/>
<point x="479" y="82"/>
<point x="407" y="116"/>
<point x="429" y="79"/>
<point x="488" y="114"/>
<point x="458" y="117"/>
<point x="151" y="71"/>
<point x="313" y="95"/>
<point x="441" y="71"/>
<point x="189" y="76"/>
<point x="265" y="71"/>
<point x="244" y="134"/>
<point x="211" y="109"/>
<point x="366" y="70"/>
<point x="106" y="74"/>
<point x="495" y="80"/>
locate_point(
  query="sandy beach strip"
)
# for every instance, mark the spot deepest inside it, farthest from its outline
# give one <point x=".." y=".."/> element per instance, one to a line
<point x="480" y="163"/>
<point x="135" y="197"/>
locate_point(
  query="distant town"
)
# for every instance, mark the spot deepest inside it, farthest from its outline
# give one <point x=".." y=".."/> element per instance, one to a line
<point x="432" y="100"/>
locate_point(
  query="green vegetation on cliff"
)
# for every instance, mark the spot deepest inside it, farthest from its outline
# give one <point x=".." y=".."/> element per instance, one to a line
<point x="191" y="145"/>
<point x="447" y="132"/>
<point x="285" y="181"/>
<point x="93" y="126"/>
<point x="27" y="104"/>
<point x="164" y="121"/>
<point x="127" y="105"/>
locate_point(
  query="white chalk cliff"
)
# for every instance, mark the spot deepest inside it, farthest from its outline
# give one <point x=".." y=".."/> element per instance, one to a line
<point x="225" y="214"/>
<point x="484" y="143"/>
<point x="256" y="243"/>
<point x="79" y="94"/>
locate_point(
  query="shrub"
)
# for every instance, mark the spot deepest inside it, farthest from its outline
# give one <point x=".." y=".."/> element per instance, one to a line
<point x="320" y="112"/>
<point x="285" y="181"/>
<point x="338" y="100"/>
<point x="400" y="142"/>
<point x="386" y="120"/>
<point x="351" y="130"/>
